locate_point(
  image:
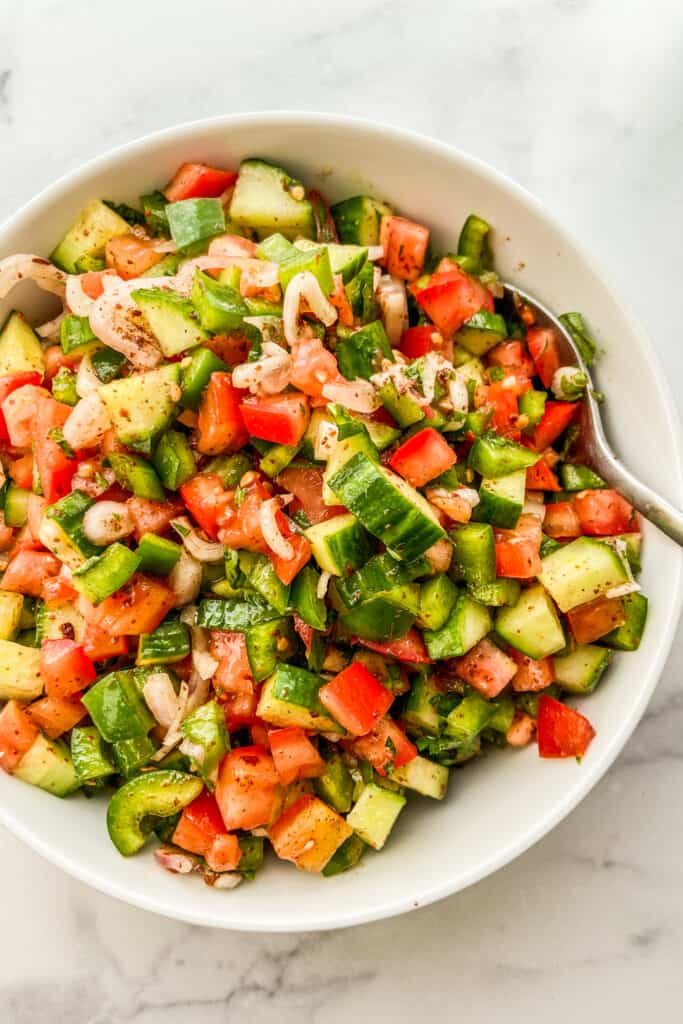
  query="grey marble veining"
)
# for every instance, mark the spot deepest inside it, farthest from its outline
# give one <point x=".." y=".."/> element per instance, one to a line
<point x="579" y="100"/>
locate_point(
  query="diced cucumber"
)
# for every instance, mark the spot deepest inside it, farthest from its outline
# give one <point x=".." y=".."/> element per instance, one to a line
<point x="481" y="332"/>
<point x="171" y="318"/>
<point x="504" y="712"/>
<point x="579" y="478"/>
<point x="277" y="458"/>
<point x="502" y="591"/>
<point x="335" y="787"/>
<point x="174" y="459"/>
<point x="494" y="456"/>
<point x="220" y="309"/>
<point x="276" y="248"/>
<point x="532" y="405"/>
<point x="340" y="455"/>
<point x="20" y="348"/>
<point x="87" y="237"/>
<point x="581" y="571"/>
<point x="205" y="728"/>
<point x="262" y="577"/>
<point x="358" y="220"/>
<point x="157" y="554"/>
<point x="474" y="554"/>
<point x="469" y="717"/>
<point x="423" y="776"/>
<point x="387" y="506"/>
<point x="381" y="434"/>
<point x="76" y="335"/>
<point x="55" y="623"/>
<point x="385" y="617"/>
<point x="235" y="613"/>
<point x="375" y="813"/>
<point x="196" y="376"/>
<point x="311" y="608"/>
<point x="136" y="475"/>
<point x="11" y="607"/>
<point x="628" y="636"/>
<point x="361" y="354"/>
<point x="48" y="765"/>
<point x="267" y="199"/>
<point x="267" y="644"/>
<point x="581" y="669"/>
<point x="290" y="697"/>
<point x="345" y="856"/>
<point x="169" y="642"/>
<point x="142" y="406"/>
<point x="468" y="623"/>
<point x="632" y="547"/>
<point x="117" y="708"/>
<point x="501" y="499"/>
<point x="379" y="574"/>
<point x="339" y="544"/>
<point x="19" y="672"/>
<point x="532" y="625"/>
<point x="421" y="711"/>
<point x="16" y="505"/>
<point x="102" y="575"/>
<point x="314" y="261"/>
<point x="403" y="406"/>
<point x="437" y="598"/>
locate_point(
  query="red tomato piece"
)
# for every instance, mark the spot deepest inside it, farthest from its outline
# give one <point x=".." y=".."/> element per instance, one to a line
<point x="561" y="521"/>
<point x="356" y="699"/>
<point x="28" y="570"/>
<point x="56" y="715"/>
<point x="603" y="512"/>
<point x="556" y="418"/>
<point x="138" y="607"/>
<point x="225" y="853"/>
<point x="206" y="500"/>
<point x="153" y="516"/>
<point x="200" y="823"/>
<point x="92" y="284"/>
<point x="532" y="674"/>
<point x="588" y="622"/>
<point x="19" y="412"/>
<point x="17" y="733"/>
<point x="233" y="674"/>
<point x="386" y="747"/>
<point x="486" y="668"/>
<point x="541" y="478"/>
<point x="340" y="300"/>
<point x="65" y="668"/>
<point x="511" y="357"/>
<point x="450" y="298"/>
<point x="58" y="590"/>
<point x="518" y="551"/>
<point x="306" y="484"/>
<point x="247" y="789"/>
<point x="279" y="418"/>
<point x="55" y="468"/>
<point x="308" y="833"/>
<point x="198" y="181"/>
<point x="418" y="341"/>
<point x="503" y="401"/>
<point x="313" y="366"/>
<point x="8" y="384"/>
<point x="287" y="568"/>
<point x="422" y="457"/>
<point x="21" y="471"/>
<point x="233" y="349"/>
<point x="543" y="348"/>
<point x="561" y="731"/>
<point x="220" y="424"/>
<point x="294" y="755"/>
<point x="241" y="527"/>
<point x="522" y="730"/>
<point x="100" y="645"/>
<point x="130" y="256"/>
<point x="410" y="648"/>
<point x="405" y="246"/>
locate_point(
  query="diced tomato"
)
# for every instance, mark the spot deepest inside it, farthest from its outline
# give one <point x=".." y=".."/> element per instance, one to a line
<point x="17" y="733"/>
<point x="561" y="521"/>
<point x="522" y="730"/>
<point x="58" y="590"/>
<point x="8" y="384"/>
<point x="153" y="516"/>
<point x="418" y="341"/>
<point x="241" y="527"/>
<point x="233" y="674"/>
<point x="19" y="412"/>
<point x="198" y="181"/>
<point x="450" y="298"/>
<point x="386" y="747"/>
<point x="55" y="468"/>
<point x="56" y="715"/>
<point x="422" y="457"/>
<point x="308" y="833"/>
<point x="55" y="359"/>
<point x="206" y="500"/>
<point x="279" y="418"/>
<point x="287" y="568"/>
<point x="313" y="366"/>
<point x="561" y="731"/>
<point x="35" y="509"/>
<point x="27" y="571"/>
<point x="240" y="710"/>
<point x="541" y="478"/>
<point x="225" y="853"/>
<point x="130" y="256"/>
<point x="65" y="668"/>
<point x="588" y="622"/>
<point x="602" y="513"/>
<point x="486" y="668"/>
<point x="511" y="357"/>
<point x="518" y="551"/>
<point x="6" y="534"/>
<point x="505" y="407"/>
<point x="92" y="283"/>
<point x="304" y="632"/>
<point x="100" y="645"/>
<point x="543" y="348"/>
<point x="532" y="674"/>
<point x="21" y="471"/>
<point x="405" y="245"/>
<point x="199" y="824"/>
<point x="556" y="418"/>
<point x="410" y="648"/>
<point x="340" y="300"/>
<point x="233" y="349"/>
<point x="356" y="699"/>
<point x="306" y="484"/>
<point x="138" y="607"/>
<point x="220" y="424"/>
<point x="247" y="788"/>
<point x="294" y="755"/>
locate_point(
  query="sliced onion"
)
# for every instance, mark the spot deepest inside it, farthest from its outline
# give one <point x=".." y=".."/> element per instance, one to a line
<point x="305" y="286"/>
<point x="50" y="329"/>
<point x="325" y="442"/>
<point x="198" y="692"/>
<point x="202" y="550"/>
<point x="393" y="301"/>
<point x="458" y="394"/>
<point x="173" y="735"/>
<point x="161" y="698"/>
<point x="227" y="880"/>
<point x="88" y="422"/>
<point x="26" y="267"/>
<point x="375" y="252"/>
<point x="194" y="751"/>
<point x="277" y="543"/>
<point x="469" y="495"/>
<point x="232" y="245"/>
<point x="439" y="555"/>
<point x="268" y="375"/>
<point x="78" y="302"/>
<point x="624" y="589"/>
<point x="107" y="521"/>
<point x="358" y="395"/>
<point x="87" y="380"/>
<point x="323" y="584"/>
<point x="185" y="579"/>
<point x="175" y="860"/>
<point x="118" y="322"/>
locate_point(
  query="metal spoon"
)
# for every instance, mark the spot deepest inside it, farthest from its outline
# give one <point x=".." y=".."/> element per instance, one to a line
<point x="602" y="458"/>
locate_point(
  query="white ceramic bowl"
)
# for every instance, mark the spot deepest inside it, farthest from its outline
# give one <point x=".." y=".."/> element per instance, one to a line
<point x="498" y="807"/>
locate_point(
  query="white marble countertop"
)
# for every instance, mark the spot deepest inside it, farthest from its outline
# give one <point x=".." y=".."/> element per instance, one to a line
<point x="580" y="101"/>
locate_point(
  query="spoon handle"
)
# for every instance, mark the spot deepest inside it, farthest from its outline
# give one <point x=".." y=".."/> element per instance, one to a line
<point x="655" y="508"/>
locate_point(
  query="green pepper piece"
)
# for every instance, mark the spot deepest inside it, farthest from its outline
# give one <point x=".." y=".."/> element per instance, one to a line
<point x="106" y="363"/>
<point x="117" y="708"/>
<point x="154" y="211"/>
<point x="532" y="405"/>
<point x="133" y="754"/>
<point x="137" y="475"/>
<point x="101" y="576"/>
<point x="74" y="333"/>
<point x="494" y="456"/>
<point x="90" y="754"/>
<point x="157" y="555"/>
<point x="168" y="643"/>
<point x="345" y="856"/>
<point x="205" y="727"/>
<point x="252" y="854"/>
<point x="262" y="577"/>
<point x="361" y="354"/>
<point x="173" y="459"/>
<point x="335" y="787"/>
<point x="230" y="468"/>
<point x="472" y="243"/>
<point x="574" y="323"/>
<point x="197" y="375"/>
<point x="221" y="309"/>
<point x="159" y="794"/>
<point x="64" y="386"/>
<point x="311" y="608"/>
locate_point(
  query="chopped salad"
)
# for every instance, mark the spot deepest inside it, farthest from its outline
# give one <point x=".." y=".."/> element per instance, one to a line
<point x="297" y="521"/>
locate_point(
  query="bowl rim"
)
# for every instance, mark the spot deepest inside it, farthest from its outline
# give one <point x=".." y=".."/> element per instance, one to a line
<point x="592" y="773"/>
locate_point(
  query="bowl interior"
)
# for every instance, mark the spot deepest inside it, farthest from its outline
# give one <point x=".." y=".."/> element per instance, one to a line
<point x="499" y="806"/>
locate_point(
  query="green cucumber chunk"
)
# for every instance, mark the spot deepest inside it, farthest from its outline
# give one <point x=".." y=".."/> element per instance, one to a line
<point x="474" y="554"/>
<point x="171" y="318"/>
<point x="336" y="785"/>
<point x="358" y="220"/>
<point x="580" y="671"/>
<point x="375" y="813"/>
<point x="117" y="708"/>
<point x="102" y="575"/>
<point x="196" y="376"/>
<point x="494" y="456"/>
<point x="142" y="406"/>
<point x="311" y="608"/>
<point x="532" y="625"/>
<point x="20" y="348"/>
<point x="339" y="544"/>
<point x="205" y="728"/>
<point x="192" y="221"/>
<point x="467" y="624"/>
<point x="157" y="555"/>
<point x="48" y="765"/>
<point x="220" y="309"/>
<point x="361" y="354"/>
<point x="87" y="237"/>
<point x="501" y="499"/>
<point x="268" y="200"/>
<point x="169" y="642"/>
<point x="136" y="475"/>
<point x="582" y="571"/>
<point x="345" y="856"/>
<point x="628" y="636"/>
